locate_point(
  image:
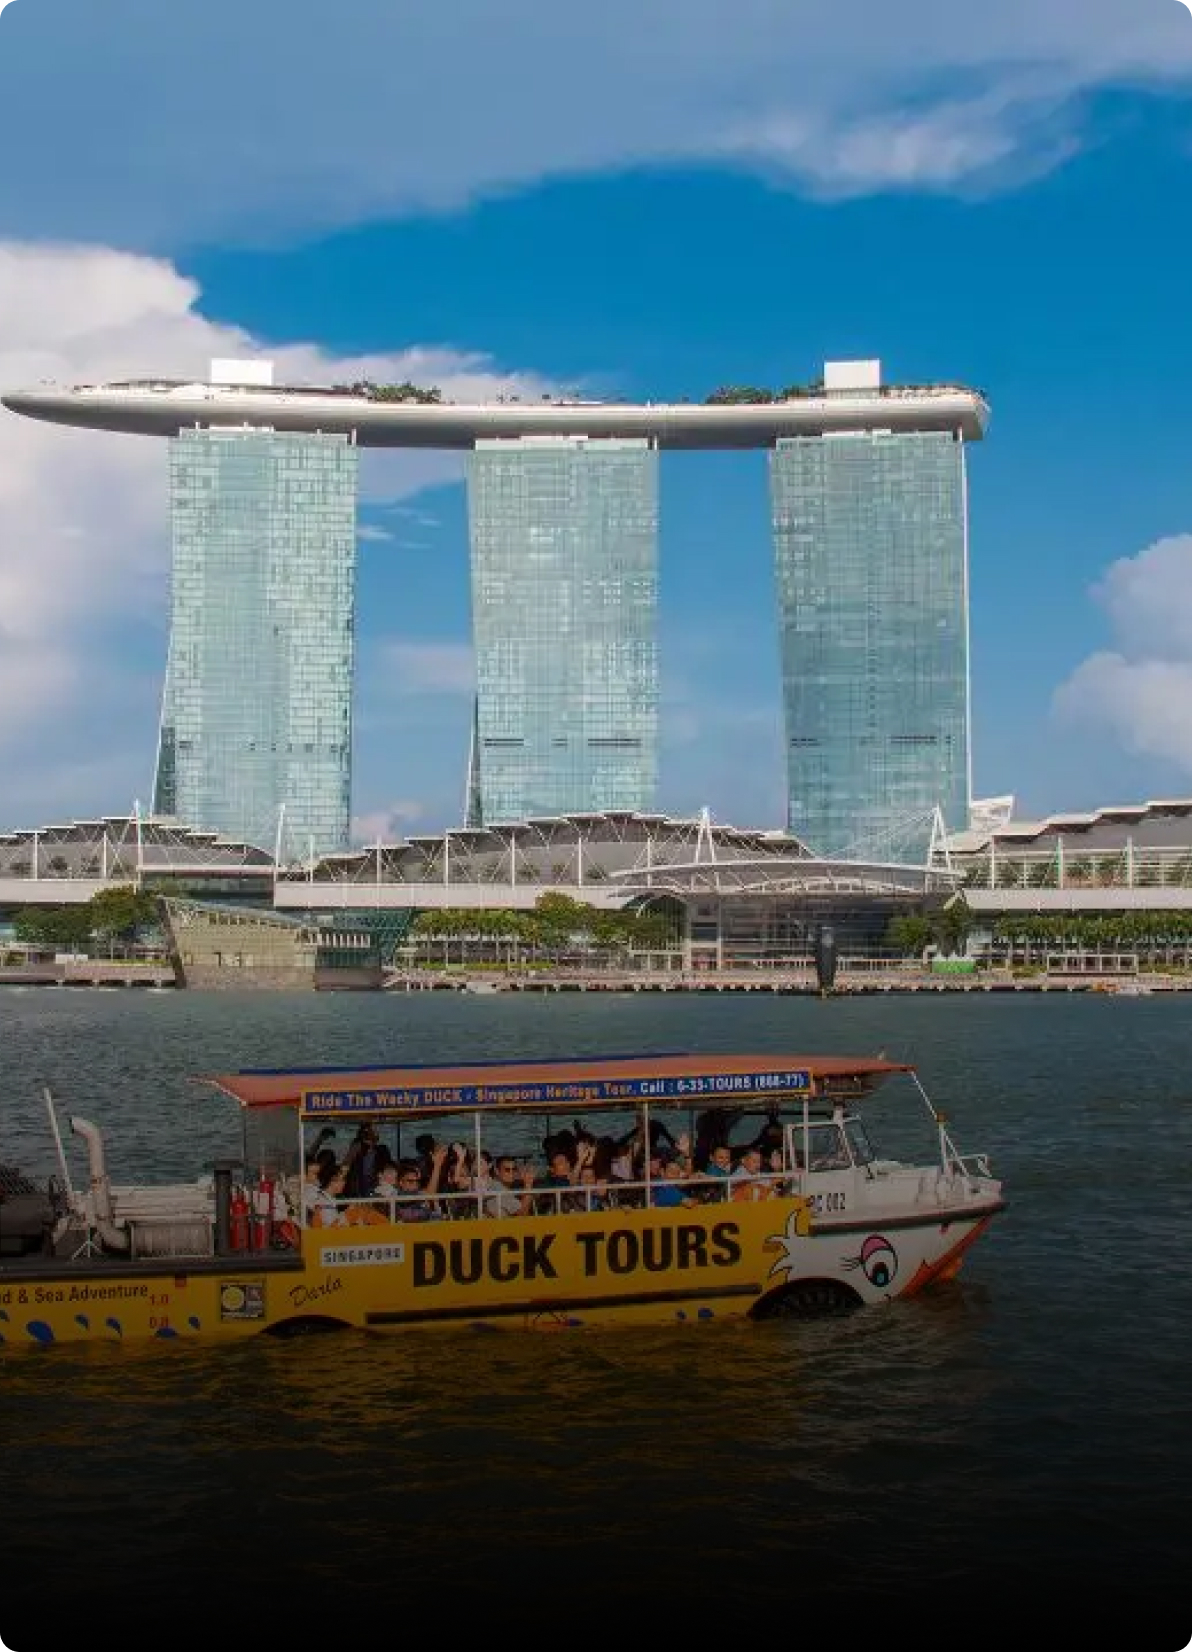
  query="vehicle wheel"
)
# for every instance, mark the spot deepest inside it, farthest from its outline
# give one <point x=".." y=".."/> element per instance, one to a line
<point x="306" y="1325"/>
<point x="807" y="1299"/>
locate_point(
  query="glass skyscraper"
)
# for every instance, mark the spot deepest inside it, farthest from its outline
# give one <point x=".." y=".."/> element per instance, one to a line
<point x="871" y="556"/>
<point x="564" y="535"/>
<point x="256" y="723"/>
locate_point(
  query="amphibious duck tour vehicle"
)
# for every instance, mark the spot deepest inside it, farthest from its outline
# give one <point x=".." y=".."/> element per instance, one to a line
<point x="535" y="1195"/>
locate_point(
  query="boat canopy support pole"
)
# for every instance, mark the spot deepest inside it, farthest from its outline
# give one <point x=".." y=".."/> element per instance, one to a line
<point x="62" y="1164"/>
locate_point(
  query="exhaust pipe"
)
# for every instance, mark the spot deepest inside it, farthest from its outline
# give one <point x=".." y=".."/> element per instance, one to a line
<point x="101" y="1188"/>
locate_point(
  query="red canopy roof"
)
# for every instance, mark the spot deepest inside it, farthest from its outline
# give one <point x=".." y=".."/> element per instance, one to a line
<point x="591" y="1082"/>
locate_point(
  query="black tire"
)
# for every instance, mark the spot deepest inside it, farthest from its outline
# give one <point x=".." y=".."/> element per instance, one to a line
<point x="306" y="1325"/>
<point x="807" y="1299"/>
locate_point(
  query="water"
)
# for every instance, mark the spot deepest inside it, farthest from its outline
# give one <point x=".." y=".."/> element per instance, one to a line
<point x="1010" y="1455"/>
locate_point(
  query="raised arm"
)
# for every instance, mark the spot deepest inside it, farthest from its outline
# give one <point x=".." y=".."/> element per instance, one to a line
<point x="437" y="1159"/>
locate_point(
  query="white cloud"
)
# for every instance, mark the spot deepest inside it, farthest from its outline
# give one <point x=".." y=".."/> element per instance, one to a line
<point x="375" y="111"/>
<point x="1140" y="691"/>
<point x="83" y="528"/>
<point x="943" y="146"/>
<point x="428" y="667"/>
<point x="385" y="824"/>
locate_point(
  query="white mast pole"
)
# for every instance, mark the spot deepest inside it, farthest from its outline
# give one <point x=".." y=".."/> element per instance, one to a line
<point x="65" y="1168"/>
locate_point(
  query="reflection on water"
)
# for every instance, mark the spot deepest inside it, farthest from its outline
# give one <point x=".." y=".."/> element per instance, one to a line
<point x="1021" y="1436"/>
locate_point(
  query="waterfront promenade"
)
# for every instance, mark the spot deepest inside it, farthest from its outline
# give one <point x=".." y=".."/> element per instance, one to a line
<point x="107" y="974"/>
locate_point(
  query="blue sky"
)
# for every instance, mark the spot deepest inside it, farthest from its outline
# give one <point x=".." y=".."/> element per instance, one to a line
<point x="648" y="202"/>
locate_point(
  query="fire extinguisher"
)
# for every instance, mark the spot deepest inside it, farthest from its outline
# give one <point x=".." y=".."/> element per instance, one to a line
<point x="238" y="1234"/>
<point x="262" y="1212"/>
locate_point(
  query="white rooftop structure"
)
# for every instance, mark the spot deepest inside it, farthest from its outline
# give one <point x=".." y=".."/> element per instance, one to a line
<point x="233" y="370"/>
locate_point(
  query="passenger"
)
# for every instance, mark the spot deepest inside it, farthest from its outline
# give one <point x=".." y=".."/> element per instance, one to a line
<point x="424" y="1151"/>
<point x="748" y="1180"/>
<point x="711" y="1132"/>
<point x="602" y="1159"/>
<point x="582" y="1133"/>
<point x="576" y="1200"/>
<point x="461" y="1183"/>
<point x="325" y="1159"/>
<point x="561" y="1174"/>
<point x="720" y="1163"/>
<point x="562" y="1141"/>
<point x="411" y="1207"/>
<point x="591" y="1191"/>
<point x="670" y="1191"/>
<point x="387" y="1188"/>
<point x="623" y="1165"/>
<point x="500" y="1197"/>
<point x="661" y="1138"/>
<point x="313" y="1151"/>
<point x="361" y="1161"/>
<point x="326" y="1209"/>
<point x="769" y="1136"/>
<point x="311" y="1190"/>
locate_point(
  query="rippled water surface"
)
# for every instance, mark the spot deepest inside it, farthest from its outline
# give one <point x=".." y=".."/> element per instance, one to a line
<point x="1013" y="1451"/>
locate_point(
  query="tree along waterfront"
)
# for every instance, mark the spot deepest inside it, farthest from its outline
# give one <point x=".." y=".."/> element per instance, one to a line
<point x="112" y="919"/>
<point x="558" y="928"/>
<point x="1157" y="938"/>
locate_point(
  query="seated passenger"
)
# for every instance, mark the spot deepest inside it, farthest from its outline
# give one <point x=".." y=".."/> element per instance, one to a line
<point x="500" y="1195"/>
<point x="585" y="1153"/>
<point x="387" y="1188"/>
<point x="310" y="1187"/>
<point x="711" y="1132"/>
<point x="363" y="1160"/>
<point x="424" y="1150"/>
<point x="560" y="1175"/>
<point x="417" y="1203"/>
<point x="623" y="1164"/>
<point x="591" y="1191"/>
<point x="720" y="1163"/>
<point x="669" y="1192"/>
<point x="461" y="1184"/>
<point x="325" y="1209"/>
<point x="748" y="1180"/>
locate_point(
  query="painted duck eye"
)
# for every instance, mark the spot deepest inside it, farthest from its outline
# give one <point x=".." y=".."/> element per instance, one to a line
<point x="878" y="1261"/>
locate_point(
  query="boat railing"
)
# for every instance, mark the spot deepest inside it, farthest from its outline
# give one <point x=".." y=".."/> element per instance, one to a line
<point x="972" y="1164"/>
<point x="576" y="1199"/>
<point x="952" y="1160"/>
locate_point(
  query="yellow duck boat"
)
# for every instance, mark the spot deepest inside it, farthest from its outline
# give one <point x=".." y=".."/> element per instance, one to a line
<point x="537" y="1195"/>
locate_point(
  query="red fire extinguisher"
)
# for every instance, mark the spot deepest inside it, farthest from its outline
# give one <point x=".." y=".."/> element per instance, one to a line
<point x="238" y="1234"/>
<point x="262" y="1212"/>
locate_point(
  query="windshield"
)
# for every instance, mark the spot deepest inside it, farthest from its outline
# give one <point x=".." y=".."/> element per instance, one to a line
<point x="858" y="1140"/>
<point x="827" y="1148"/>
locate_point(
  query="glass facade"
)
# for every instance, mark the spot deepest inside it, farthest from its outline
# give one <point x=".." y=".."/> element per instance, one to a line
<point x="564" y="536"/>
<point x="871" y="558"/>
<point x="257" y="709"/>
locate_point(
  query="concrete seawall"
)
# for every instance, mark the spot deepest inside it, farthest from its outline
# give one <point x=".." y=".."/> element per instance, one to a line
<point x="96" y="972"/>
